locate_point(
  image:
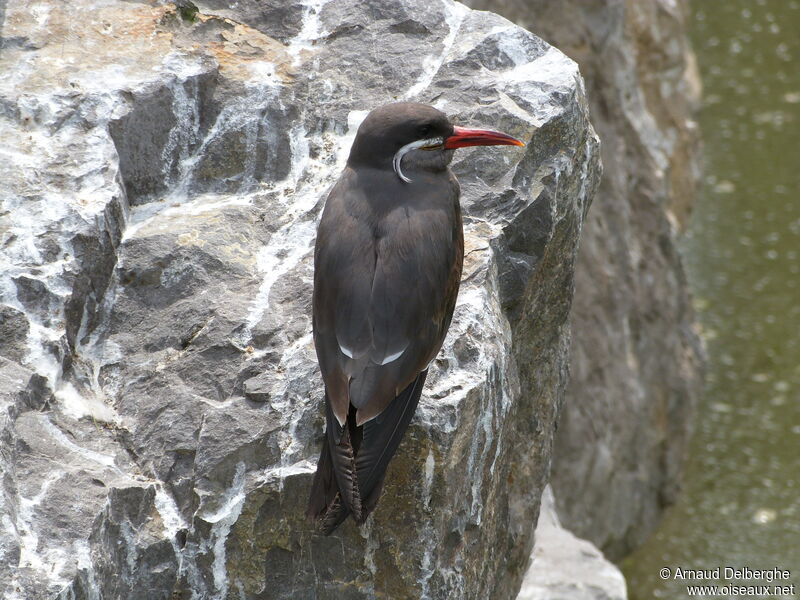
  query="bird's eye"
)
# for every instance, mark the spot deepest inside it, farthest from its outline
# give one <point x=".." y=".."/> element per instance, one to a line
<point x="424" y="130"/>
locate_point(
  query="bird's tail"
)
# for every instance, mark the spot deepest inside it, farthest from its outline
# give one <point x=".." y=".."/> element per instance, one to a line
<point x="325" y="506"/>
<point x="362" y="456"/>
<point x="324" y="488"/>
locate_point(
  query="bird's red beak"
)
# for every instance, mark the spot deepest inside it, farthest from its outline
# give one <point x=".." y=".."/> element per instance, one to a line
<point x="463" y="137"/>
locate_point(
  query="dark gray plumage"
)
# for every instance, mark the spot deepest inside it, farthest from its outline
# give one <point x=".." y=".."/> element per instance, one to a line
<point x="387" y="267"/>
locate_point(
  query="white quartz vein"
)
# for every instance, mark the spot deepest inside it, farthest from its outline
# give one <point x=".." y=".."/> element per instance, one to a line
<point x="454" y="16"/>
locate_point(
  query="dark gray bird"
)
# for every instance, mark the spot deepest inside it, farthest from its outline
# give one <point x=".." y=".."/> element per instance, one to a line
<point x="387" y="267"/>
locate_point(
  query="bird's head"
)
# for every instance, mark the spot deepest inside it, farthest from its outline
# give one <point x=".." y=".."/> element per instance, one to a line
<point x="391" y="132"/>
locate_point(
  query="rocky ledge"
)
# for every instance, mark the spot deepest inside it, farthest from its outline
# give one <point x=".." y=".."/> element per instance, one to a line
<point x="160" y="403"/>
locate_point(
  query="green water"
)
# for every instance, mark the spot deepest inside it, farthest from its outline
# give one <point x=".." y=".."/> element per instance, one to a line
<point x="741" y="500"/>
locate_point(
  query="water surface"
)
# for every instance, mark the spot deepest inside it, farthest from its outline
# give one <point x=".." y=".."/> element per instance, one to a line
<point x="741" y="500"/>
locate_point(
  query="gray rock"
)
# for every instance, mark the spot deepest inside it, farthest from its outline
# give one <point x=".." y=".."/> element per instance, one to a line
<point x="565" y="567"/>
<point x="164" y="413"/>
<point x="636" y="360"/>
<point x="13" y="333"/>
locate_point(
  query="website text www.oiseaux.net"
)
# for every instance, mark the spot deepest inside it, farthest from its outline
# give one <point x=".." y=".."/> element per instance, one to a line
<point x="740" y="582"/>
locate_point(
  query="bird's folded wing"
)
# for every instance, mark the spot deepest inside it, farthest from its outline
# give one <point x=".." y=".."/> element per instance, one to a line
<point x="324" y="488"/>
<point x="410" y="302"/>
<point x="412" y="266"/>
<point x="380" y="439"/>
<point x="325" y="505"/>
<point x="343" y="455"/>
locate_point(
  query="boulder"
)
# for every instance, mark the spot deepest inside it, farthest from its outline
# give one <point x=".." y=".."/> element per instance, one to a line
<point x="564" y="567"/>
<point x="166" y="169"/>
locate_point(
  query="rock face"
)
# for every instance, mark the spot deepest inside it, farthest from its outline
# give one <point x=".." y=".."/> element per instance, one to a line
<point x="636" y="361"/>
<point x="564" y="567"/>
<point x="163" y="173"/>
